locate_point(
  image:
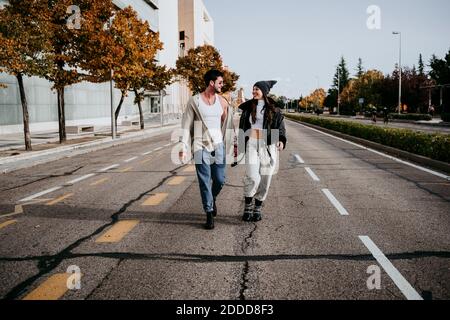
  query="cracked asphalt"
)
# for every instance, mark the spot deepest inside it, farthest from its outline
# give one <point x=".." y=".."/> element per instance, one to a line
<point x="303" y="249"/>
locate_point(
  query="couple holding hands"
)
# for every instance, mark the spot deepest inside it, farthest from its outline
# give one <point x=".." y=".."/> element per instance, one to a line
<point x="208" y="128"/>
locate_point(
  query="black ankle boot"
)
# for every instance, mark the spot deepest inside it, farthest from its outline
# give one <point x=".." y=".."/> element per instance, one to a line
<point x="209" y="221"/>
<point x="214" y="209"/>
<point x="248" y="213"/>
<point x="257" y="216"/>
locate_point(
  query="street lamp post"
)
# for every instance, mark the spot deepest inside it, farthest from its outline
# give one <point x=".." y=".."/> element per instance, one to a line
<point x="400" y="72"/>
<point x="111" y="93"/>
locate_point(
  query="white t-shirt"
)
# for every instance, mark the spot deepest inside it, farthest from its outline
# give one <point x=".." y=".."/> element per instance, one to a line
<point x="258" y="125"/>
<point x="212" y="115"/>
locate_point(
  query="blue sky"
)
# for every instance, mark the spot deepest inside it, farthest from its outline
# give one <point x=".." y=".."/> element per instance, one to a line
<point x="299" y="42"/>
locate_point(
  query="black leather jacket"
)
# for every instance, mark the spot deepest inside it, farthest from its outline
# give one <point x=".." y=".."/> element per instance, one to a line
<point x="277" y="124"/>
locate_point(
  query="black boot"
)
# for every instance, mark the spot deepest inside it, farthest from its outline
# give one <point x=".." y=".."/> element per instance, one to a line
<point x="257" y="216"/>
<point x="214" y="209"/>
<point x="209" y="221"/>
<point x="248" y="212"/>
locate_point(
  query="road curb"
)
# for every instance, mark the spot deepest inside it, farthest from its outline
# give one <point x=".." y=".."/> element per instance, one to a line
<point x="23" y="161"/>
<point x="430" y="163"/>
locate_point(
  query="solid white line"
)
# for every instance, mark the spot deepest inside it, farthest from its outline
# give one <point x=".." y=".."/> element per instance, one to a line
<point x="80" y="179"/>
<point x="147" y="153"/>
<point x="383" y="154"/>
<point x="131" y="159"/>
<point x="157" y="149"/>
<point x="336" y="203"/>
<point x="37" y="195"/>
<point x="109" y="168"/>
<point x="298" y="158"/>
<point x="312" y="174"/>
<point x="408" y="291"/>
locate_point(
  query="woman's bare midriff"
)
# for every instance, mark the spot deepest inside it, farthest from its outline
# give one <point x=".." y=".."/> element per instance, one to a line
<point x="257" y="134"/>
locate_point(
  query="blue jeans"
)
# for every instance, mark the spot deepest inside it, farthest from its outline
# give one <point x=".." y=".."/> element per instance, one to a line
<point x="210" y="166"/>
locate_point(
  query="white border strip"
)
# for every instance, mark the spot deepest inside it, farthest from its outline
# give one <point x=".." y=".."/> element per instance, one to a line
<point x="312" y="174"/>
<point x="131" y="159"/>
<point x="336" y="203"/>
<point x="109" y="168"/>
<point x="37" y="195"/>
<point x="382" y="154"/>
<point x="80" y="179"/>
<point x="298" y="159"/>
<point x="408" y="291"/>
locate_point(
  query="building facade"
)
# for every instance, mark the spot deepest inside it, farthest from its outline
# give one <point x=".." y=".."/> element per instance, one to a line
<point x="88" y="103"/>
<point x="196" y="28"/>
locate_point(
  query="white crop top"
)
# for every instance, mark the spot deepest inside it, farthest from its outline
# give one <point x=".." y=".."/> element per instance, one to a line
<point x="258" y="125"/>
<point x="212" y="115"/>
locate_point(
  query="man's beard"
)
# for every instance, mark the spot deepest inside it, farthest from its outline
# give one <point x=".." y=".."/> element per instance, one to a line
<point x="217" y="90"/>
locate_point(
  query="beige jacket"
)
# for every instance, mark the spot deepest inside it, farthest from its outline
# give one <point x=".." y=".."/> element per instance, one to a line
<point x="195" y="135"/>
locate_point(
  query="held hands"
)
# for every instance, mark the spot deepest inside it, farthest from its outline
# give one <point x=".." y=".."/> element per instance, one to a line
<point x="182" y="156"/>
<point x="280" y="146"/>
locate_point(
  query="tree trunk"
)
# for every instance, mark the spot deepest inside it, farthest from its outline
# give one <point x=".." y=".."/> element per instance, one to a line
<point x="141" y="116"/>
<point x="116" y="114"/>
<point x="61" y="115"/>
<point x="26" y="117"/>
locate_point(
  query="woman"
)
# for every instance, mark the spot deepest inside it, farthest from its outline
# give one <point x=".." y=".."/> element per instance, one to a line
<point x="265" y="136"/>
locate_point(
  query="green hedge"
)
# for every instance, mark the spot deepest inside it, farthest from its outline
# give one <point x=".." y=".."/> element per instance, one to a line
<point x="434" y="146"/>
<point x="411" y="116"/>
<point x="445" y="117"/>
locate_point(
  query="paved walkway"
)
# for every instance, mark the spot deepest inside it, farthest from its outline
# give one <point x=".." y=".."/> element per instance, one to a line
<point x="433" y="126"/>
<point x="13" y="144"/>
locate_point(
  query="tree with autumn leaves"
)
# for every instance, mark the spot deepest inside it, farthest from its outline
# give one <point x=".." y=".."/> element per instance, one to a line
<point x="38" y="39"/>
<point x="70" y="41"/>
<point x="134" y="68"/>
<point x="200" y="60"/>
<point x="315" y="100"/>
<point x="25" y="47"/>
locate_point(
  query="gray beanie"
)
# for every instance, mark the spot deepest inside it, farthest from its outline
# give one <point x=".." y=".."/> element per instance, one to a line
<point x="265" y="86"/>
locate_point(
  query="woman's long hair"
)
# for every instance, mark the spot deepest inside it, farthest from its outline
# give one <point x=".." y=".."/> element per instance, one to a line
<point x="267" y="105"/>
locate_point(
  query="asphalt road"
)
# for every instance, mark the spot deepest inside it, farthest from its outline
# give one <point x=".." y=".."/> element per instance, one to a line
<point x="135" y="230"/>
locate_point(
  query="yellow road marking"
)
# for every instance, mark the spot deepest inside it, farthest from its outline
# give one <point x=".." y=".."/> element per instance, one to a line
<point x="190" y="169"/>
<point x="176" y="181"/>
<point x="117" y="231"/>
<point x="7" y="223"/>
<point x="126" y="169"/>
<point x="18" y="209"/>
<point x="60" y="199"/>
<point x="96" y="183"/>
<point x="145" y="161"/>
<point x="155" y="199"/>
<point x="52" y="289"/>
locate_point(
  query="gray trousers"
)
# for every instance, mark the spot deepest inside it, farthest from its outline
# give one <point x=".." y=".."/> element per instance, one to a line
<point x="259" y="168"/>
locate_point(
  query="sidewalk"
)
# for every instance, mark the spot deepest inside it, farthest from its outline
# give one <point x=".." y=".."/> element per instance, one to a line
<point x="46" y="146"/>
<point x="433" y="126"/>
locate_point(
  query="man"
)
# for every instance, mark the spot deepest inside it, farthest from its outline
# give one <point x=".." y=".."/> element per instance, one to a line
<point x="207" y="125"/>
<point x="386" y="115"/>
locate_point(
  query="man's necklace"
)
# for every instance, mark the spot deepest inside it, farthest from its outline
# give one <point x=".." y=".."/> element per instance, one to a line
<point x="209" y="101"/>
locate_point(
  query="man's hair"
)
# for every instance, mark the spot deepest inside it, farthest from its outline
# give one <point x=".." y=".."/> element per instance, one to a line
<point x="212" y="75"/>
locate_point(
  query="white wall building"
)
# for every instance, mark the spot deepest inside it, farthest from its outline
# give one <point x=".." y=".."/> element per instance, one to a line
<point x="196" y="23"/>
<point x="196" y="29"/>
<point x="88" y="103"/>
